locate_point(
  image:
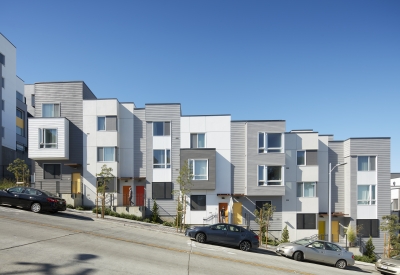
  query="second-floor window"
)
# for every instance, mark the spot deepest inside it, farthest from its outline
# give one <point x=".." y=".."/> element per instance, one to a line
<point x="269" y="142"/>
<point x="20" y="96"/>
<point x="306" y="189"/>
<point x="20" y="122"/>
<point x="162" y="158"/>
<point x="308" y="157"/>
<point x="269" y="175"/>
<point x="107" y="154"/>
<point x="197" y="140"/>
<point x="162" y="128"/>
<point x="47" y="138"/>
<point x="107" y="123"/>
<point x="2" y="59"/>
<point x="366" y="163"/>
<point x="198" y="169"/>
<point x="366" y="194"/>
<point x="395" y="204"/>
<point x="51" y="110"/>
<point x="3" y="82"/>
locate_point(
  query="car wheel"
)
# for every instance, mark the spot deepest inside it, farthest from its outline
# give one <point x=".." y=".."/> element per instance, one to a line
<point x="244" y="246"/>
<point x="298" y="256"/>
<point x="201" y="237"/>
<point x="341" y="264"/>
<point x="35" y="207"/>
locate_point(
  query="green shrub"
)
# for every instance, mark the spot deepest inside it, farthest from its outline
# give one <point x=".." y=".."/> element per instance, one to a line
<point x="155" y="217"/>
<point x="79" y="208"/>
<point x="6" y="183"/>
<point x="168" y="224"/>
<point x="70" y="206"/>
<point x="285" y="235"/>
<point x="146" y="220"/>
<point x="364" y="258"/>
<point x="369" y="249"/>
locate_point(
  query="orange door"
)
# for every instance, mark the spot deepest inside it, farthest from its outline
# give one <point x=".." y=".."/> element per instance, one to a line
<point x="139" y="196"/>
<point x="125" y="194"/>
<point x="225" y="206"/>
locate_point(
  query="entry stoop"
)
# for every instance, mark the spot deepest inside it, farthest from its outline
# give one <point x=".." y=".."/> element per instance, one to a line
<point x="138" y="211"/>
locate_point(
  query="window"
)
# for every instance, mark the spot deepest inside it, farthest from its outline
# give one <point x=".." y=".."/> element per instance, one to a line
<point x="162" y="190"/>
<point x="260" y="204"/>
<point x="368" y="227"/>
<point x="198" y="169"/>
<point x="3" y="104"/>
<point x="47" y="138"/>
<point x="308" y="157"/>
<point x="2" y="59"/>
<point x="19" y="131"/>
<point x="366" y="194"/>
<point x="52" y="171"/>
<point x="395" y="204"/>
<point x="306" y="221"/>
<point x="51" y="110"/>
<point x="107" y="123"/>
<point x="20" y="96"/>
<point x="110" y="184"/>
<point x="162" y="158"/>
<point x="20" y="122"/>
<point x="198" y="202"/>
<point x="197" y="140"/>
<point x="3" y="131"/>
<point x="161" y="128"/>
<point x="331" y="246"/>
<point x="33" y="100"/>
<point x="269" y="143"/>
<point x="269" y="175"/>
<point x="306" y="189"/>
<point x="20" y="114"/>
<point x="107" y="154"/>
<point x="20" y="147"/>
<point x="366" y="163"/>
<point x="3" y="82"/>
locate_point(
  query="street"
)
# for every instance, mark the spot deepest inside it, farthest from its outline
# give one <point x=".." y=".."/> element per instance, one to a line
<point x="79" y="243"/>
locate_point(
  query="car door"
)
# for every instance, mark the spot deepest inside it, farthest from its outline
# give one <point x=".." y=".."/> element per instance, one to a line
<point x="315" y="251"/>
<point x="217" y="233"/>
<point x="332" y="253"/>
<point x="12" y="196"/>
<point x="234" y="235"/>
<point x="26" y="197"/>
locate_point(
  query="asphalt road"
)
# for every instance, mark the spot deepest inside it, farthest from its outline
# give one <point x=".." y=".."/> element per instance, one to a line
<point x="79" y="243"/>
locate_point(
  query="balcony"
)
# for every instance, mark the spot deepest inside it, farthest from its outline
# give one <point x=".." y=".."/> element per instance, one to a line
<point x="48" y="138"/>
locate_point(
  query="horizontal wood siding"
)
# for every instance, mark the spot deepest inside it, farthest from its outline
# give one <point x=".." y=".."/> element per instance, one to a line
<point x="139" y="133"/>
<point x="238" y="157"/>
<point x="337" y="176"/>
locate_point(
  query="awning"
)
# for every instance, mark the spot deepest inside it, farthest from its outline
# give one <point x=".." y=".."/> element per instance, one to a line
<point x="73" y="165"/>
<point x="334" y="214"/>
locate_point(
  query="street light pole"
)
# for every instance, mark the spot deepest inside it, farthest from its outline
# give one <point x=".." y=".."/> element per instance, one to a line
<point x="329" y="200"/>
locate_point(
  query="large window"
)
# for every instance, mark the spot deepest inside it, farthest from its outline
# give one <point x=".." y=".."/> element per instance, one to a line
<point x="306" y="189"/>
<point x="395" y="204"/>
<point x="47" y="138"/>
<point x="366" y="163"/>
<point x="162" y="190"/>
<point x="111" y="184"/>
<point x="20" y="96"/>
<point x="198" y="169"/>
<point x="20" y="122"/>
<point x="198" y="202"/>
<point x="269" y="175"/>
<point x="2" y="59"/>
<point x="107" y="154"/>
<point x="269" y="142"/>
<point x="162" y="158"/>
<point x="162" y="128"/>
<point x="308" y="157"/>
<point x="368" y="227"/>
<point x="51" y="110"/>
<point x="306" y="221"/>
<point x="197" y="140"/>
<point x="366" y="194"/>
<point x="260" y="204"/>
<point x="52" y="171"/>
<point x="107" y="123"/>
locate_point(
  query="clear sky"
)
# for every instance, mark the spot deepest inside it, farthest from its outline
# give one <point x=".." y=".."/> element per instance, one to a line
<point x="330" y="66"/>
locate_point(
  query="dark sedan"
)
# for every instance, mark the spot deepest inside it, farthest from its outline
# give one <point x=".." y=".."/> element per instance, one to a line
<point x="33" y="199"/>
<point x="223" y="233"/>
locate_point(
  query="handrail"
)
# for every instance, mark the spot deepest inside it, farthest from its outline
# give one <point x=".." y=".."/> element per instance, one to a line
<point x="209" y="218"/>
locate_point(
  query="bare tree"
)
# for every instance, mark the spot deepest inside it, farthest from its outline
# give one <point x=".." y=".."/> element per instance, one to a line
<point x="263" y="217"/>
<point x="103" y="179"/>
<point x="185" y="183"/>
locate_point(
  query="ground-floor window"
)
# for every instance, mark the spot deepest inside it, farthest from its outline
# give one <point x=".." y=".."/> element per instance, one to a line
<point x="52" y="171"/>
<point x="198" y="202"/>
<point x="368" y="227"/>
<point x="162" y="190"/>
<point x="260" y="204"/>
<point x="306" y="221"/>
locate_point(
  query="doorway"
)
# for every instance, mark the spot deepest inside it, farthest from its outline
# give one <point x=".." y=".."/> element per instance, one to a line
<point x="139" y="196"/>
<point x="225" y="206"/>
<point x="321" y="230"/>
<point x="335" y="231"/>
<point x="76" y="183"/>
<point x="125" y="195"/>
<point x="237" y="213"/>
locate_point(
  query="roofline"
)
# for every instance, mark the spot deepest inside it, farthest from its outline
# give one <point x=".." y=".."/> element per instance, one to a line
<point x="259" y="120"/>
<point x="360" y="138"/>
<point x="162" y="104"/>
<point x="72" y="81"/>
<point x="7" y="40"/>
<point x="205" y="115"/>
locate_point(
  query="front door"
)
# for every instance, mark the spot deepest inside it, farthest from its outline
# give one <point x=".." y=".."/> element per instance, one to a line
<point x="237" y="213"/>
<point x="321" y="230"/>
<point x="76" y="183"/>
<point x="125" y="195"/>
<point x="225" y="206"/>
<point x="139" y="196"/>
<point x="335" y="231"/>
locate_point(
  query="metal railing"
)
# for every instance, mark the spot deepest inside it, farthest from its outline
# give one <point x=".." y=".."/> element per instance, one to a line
<point x="210" y="219"/>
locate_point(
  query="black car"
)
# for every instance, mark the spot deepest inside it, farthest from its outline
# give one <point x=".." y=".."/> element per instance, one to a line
<point x="224" y="233"/>
<point x="33" y="199"/>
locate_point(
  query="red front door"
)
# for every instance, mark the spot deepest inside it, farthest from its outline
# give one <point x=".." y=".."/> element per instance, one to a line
<point x="139" y="196"/>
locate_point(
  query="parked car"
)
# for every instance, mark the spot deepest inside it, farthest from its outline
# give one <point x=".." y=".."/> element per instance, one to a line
<point x="224" y="233"/>
<point x="388" y="265"/>
<point x="33" y="199"/>
<point x="317" y="251"/>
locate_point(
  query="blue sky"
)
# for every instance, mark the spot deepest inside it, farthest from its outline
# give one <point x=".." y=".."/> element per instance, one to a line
<point x="330" y="66"/>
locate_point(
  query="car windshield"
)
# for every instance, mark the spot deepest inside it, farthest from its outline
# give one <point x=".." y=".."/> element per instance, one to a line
<point x="303" y="241"/>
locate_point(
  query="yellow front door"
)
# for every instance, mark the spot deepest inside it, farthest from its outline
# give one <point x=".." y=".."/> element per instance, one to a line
<point x="335" y="231"/>
<point x="237" y="213"/>
<point x="321" y="230"/>
<point x="76" y="183"/>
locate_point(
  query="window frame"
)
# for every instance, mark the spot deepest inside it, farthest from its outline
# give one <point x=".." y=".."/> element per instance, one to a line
<point x="164" y="132"/>
<point x="20" y="95"/>
<point x="166" y="195"/>
<point x="192" y="168"/>
<point x="166" y="164"/>
<point x="54" y="165"/>
<point x="303" y="221"/>
<point x="199" y="207"/>
<point x="2" y="59"/>
<point x="42" y="137"/>
<point x="369" y="165"/>
<point x="3" y="81"/>
<point x="306" y="162"/>
<point x="54" y="110"/>
<point x="115" y="154"/>
<point x="257" y="204"/>
<point x="373" y="227"/>
<point x="105" y="124"/>
<point x="264" y="147"/>
<point x="197" y="140"/>
<point x="265" y="180"/>
<point x="302" y="184"/>
<point x="371" y="192"/>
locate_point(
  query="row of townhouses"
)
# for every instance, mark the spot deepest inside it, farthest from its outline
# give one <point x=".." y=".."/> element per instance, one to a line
<point x="238" y="165"/>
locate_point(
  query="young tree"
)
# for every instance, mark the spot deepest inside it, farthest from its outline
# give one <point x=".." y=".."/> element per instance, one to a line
<point x="20" y="170"/>
<point x="285" y="235"/>
<point x="185" y="184"/>
<point x="369" y="249"/>
<point x="103" y="179"/>
<point x="390" y="224"/>
<point x="263" y="217"/>
<point x="155" y="216"/>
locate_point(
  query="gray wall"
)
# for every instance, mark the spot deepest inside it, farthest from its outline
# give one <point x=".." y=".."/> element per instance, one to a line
<point x="139" y="147"/>
<point x="238" y="157"/>
<point x="335" y="156"/>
